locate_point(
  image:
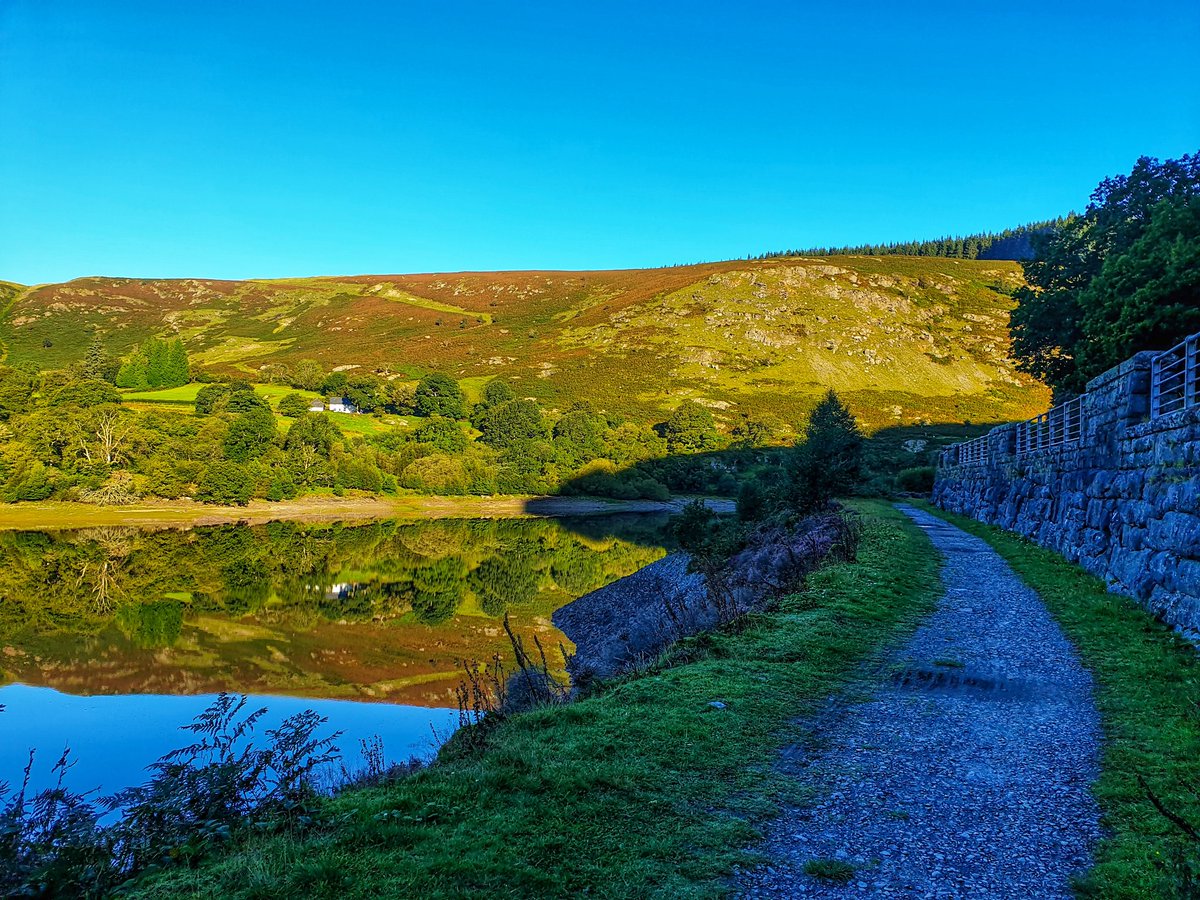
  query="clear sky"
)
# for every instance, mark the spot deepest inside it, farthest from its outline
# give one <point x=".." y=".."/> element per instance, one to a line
<point x="244" y="138"/>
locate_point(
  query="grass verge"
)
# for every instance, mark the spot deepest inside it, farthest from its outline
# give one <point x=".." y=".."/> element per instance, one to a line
<point x="642" y="790"/>
<point x="1149" y="699"/>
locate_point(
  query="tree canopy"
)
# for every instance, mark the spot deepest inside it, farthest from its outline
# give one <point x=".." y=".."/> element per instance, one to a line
<point x="690" y="429"/>
<point x="508" y="423"/>
<point x="1011" y="243"/>
<point x="1121" y="278"/>
<point x="439" y="395"/>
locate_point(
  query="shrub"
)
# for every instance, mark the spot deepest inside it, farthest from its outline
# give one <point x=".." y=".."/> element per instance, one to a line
<point x="437" y="473"/>
<point x="29" y="480"/>
<point x="690" y="429"/>
<point x="753" y="501"/>
<point x="917" y="480"/>
<point x="693" y="525"/>
<point x="359" y="474"/>
<point x="53" y="844"/>
<point x="293" y="405"/>
<point x="163" y="480"/>
<point x="227" y="483"/>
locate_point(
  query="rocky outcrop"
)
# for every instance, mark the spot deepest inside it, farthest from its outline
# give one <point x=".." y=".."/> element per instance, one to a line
<point x="1123" y="502"/>
<point x="626" y="624"/>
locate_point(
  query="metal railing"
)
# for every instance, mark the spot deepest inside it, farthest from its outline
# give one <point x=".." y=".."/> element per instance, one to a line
<point x="1174" y="386"/>
<point x="1173" y="378"/>
<point x="973" y="452"/>
<point x="1062" y="426"/>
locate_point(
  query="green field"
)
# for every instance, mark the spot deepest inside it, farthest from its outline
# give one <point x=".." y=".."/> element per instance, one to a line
<point x="186" y="394"/>
<point x="356" y="423"/>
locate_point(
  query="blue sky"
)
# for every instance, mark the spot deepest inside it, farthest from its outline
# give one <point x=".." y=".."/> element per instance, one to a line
<point x="258" y="139"/>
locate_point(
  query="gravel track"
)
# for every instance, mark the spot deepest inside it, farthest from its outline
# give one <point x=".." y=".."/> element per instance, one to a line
<point x="966" y="773"/>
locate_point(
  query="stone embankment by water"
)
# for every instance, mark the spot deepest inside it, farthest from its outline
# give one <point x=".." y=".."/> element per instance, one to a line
<point x="626" y="624"/>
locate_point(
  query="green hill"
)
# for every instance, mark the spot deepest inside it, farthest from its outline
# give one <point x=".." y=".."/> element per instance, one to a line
<point x="905" y="340"/>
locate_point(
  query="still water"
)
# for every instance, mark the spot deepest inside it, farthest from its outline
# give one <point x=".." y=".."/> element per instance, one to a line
<point x="110" y="639"/>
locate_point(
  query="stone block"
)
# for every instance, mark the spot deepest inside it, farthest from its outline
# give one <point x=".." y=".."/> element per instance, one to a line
<point x="1176" y="533"/>
<point x="1131" y="569"/>
<point x="1185" y="579"/>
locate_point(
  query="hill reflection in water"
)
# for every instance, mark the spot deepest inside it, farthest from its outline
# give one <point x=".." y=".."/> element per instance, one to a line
<point x="379" y="613"/>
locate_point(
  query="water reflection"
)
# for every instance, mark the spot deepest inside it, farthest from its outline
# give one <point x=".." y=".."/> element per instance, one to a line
<point x="376" y="612"/>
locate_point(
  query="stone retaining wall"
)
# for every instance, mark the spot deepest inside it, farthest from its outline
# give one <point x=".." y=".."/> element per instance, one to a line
<point x="1123" y="502"/>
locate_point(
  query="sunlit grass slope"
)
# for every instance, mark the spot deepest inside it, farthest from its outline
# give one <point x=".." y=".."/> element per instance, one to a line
<point x="904" y="339"/>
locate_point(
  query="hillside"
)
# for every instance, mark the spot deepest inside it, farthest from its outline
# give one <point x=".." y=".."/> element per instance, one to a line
<point x="905" y="340"/>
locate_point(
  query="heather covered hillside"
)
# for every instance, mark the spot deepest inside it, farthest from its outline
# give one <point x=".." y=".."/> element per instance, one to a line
<point x="904" y="340"/>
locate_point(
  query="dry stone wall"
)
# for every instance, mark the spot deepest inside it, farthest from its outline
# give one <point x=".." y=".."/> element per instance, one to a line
<point x="1123" y="500"/>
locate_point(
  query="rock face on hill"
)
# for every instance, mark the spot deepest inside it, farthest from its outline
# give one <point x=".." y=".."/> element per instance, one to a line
<point x="903" y="339"/>
<point x="626" y="624"/>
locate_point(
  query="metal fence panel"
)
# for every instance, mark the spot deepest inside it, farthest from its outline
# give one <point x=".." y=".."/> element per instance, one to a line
<point x="1062" y="426"/>
<point x="1173" y="378"/>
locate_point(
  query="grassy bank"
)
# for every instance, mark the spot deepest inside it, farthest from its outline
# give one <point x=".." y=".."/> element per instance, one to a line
<point x="53" y="515"/>
<point x="642" y="790"/>
<point x="1149" y="699"/>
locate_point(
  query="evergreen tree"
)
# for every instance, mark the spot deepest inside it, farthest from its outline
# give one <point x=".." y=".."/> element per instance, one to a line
<point x="95" y="361"/>
<point x="178" y="369"/>
<point x="1012" y="243"/>
<point x="132" y="373"/>
<point x="156" y="362"/>
<point x="828" y="462"/>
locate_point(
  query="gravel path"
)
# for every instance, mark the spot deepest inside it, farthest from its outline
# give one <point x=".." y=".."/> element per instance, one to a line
<point x="966" y="773"/>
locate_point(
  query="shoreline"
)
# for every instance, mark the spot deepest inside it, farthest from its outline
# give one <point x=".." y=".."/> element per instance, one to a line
<point x="64" y="515"/>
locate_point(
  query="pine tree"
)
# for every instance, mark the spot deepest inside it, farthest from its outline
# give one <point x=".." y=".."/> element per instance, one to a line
<point x="95" y="361"/>
<point x="828" y="462"/>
